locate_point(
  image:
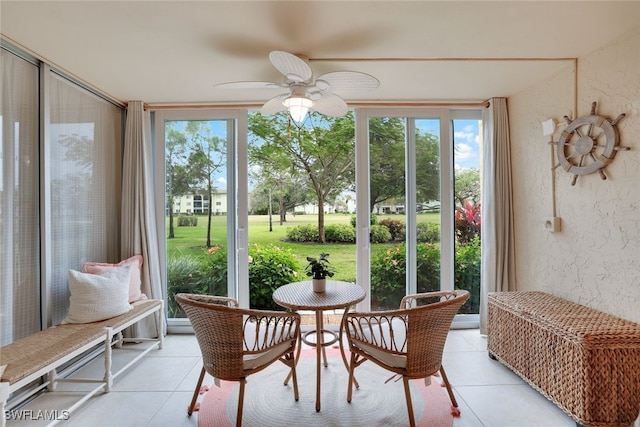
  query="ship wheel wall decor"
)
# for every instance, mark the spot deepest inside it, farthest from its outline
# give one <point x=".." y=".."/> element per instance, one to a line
<point x="588" y="144"/>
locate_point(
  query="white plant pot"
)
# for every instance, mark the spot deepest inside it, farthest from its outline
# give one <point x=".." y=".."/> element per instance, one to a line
<point x="319" y="285"/>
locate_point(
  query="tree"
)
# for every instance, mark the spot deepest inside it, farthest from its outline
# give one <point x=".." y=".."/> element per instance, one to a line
<point x="467" y="186"/>
<point x="289" y="192"/>
<point x="322" y="152"/>
<point x="427" y="167"/>
<point x="386" y="160"/>
<point x="273" y="173"/>
<point x="178" y="180"/>
<point x="207" y="153"/>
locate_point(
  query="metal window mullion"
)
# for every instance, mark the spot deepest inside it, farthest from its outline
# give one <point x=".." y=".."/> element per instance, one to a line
<point x="238" y="204"/>
<point x="447" y="236"/>
<point x="410" y="204"/>
<point x="363" y="219"/>
<point x="46" y="247"/>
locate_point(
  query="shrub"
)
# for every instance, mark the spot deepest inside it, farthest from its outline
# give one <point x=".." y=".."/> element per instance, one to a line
<point x="187" y="221"/>
<point x="388" y="278"/>
<point x="380" y="234"/>
<point x="340" y="233"/>
<point x="303" y="233"/>
<point x="373" y="220"/>
<point x="428" y="232"/>
<point x="388" y="274"/>
<point x="395" y="227"/>
<point x="468" y="222"/>
<point x="269" y="268"/>
<point x="184" y="274"/>
<point x="215" y="270"/>
<point x="467" y="273"/>
<point x="428" y="267"/>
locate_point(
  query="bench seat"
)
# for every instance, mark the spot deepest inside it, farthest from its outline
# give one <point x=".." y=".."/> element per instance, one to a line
<point x="44" y="352"/>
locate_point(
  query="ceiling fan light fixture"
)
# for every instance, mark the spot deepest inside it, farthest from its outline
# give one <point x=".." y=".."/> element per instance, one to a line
<point x="298" y="107"/>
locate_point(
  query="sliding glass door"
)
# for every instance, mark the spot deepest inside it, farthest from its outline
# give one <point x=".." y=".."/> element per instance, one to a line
<point x="408" y="181"/>
<point x="203" y="231"/>
<point x="409" y="216"/>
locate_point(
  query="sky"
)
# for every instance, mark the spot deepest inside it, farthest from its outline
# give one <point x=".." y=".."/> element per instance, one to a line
<point x="466" y="140"/>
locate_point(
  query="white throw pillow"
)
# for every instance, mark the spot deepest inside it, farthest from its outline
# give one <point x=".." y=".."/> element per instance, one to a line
<point x="96" y="297"/>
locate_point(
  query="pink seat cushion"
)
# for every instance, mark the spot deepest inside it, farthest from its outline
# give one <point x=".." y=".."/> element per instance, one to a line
<point x="135" y="294"/>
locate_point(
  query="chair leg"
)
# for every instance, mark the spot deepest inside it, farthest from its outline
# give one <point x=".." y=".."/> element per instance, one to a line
<point x="352" y="367"/>
<point x="243" y="382"/>
<point x="407" y="394"/>
<point x="294" y="377"/>
<point x="196" y="392"/>
<point x="445" y="380"/>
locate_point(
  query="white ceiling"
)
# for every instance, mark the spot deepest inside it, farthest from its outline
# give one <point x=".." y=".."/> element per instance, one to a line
<point x="174" y="52"/>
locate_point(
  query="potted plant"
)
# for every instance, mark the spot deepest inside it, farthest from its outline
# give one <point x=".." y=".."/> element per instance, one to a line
<point x="319" y="269"/>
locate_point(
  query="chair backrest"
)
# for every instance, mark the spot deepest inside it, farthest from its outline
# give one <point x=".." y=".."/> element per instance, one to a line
<point x="429" y="318"/>
<point x="218" y="327"/>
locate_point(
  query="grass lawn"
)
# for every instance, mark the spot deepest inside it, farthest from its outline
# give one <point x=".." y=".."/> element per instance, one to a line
<point x="191" y="240"/>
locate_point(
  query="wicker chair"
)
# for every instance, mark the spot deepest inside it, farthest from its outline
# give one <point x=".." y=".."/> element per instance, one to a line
<point x="408" y="341"/>
<point x="236" y="342"/>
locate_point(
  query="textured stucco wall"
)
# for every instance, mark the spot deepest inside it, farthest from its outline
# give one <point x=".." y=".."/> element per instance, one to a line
<point x="595" y="259"/>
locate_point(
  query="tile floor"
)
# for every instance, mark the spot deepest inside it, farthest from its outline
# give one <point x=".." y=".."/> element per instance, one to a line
<point x="156" y="391"/>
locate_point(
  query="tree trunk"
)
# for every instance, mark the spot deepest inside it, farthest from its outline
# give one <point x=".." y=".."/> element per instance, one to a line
<point x="209" y="229"/>
<point x="171" y="231"/>
<point x="270" y="212"/>
<point x="281" y="208"/>
<point x="321" y="237"/>
<point x="209" y="221"/>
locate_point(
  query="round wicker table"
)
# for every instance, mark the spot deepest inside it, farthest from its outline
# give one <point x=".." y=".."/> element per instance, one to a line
<point x="338" y="295"/>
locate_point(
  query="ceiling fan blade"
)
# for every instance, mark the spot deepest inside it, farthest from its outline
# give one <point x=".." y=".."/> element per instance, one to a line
<point x="274" y="105"/>
<point x="348" y="81"/>
<point x="249" y="85"/>
<point x="294" y="68"/>
<point x="331" y="105"/>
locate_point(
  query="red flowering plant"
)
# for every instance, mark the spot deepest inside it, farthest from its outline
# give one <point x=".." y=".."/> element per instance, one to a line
<point x="468" y="222"/>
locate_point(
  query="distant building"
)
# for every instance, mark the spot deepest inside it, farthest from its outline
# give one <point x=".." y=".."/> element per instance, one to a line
<point x="198" y="204"/>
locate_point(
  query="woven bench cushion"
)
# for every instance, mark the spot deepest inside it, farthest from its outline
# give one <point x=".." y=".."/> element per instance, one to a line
<point x="46" y="348"/>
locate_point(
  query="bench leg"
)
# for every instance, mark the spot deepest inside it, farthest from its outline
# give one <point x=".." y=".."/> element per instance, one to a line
<point x="160" y="325"/>
<point x="52" y="377"/>
<point x="119" y="340"/>
<point x="108" y="378"/>
<point x="4" y="395"/>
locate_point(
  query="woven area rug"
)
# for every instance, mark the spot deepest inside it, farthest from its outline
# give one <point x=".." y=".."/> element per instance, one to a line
<point x="267" y="402"/>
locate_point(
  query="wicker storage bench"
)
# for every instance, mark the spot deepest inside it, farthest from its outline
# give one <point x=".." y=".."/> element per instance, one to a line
<point x="585" y="361"/>
<point x="44" y="352"/>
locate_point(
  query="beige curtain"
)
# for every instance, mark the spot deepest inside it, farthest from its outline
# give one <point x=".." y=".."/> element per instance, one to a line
<point x="498" y="247"/>
<point x="139" y="235"/>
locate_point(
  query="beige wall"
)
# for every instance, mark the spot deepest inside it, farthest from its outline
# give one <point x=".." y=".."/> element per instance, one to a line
<point x="595" y="259"/>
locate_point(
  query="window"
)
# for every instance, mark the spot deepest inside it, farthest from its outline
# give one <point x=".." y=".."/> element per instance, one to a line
<point x="19" y="199"/>
<point x="83" y="207"/>
<point x="60" y="195"/>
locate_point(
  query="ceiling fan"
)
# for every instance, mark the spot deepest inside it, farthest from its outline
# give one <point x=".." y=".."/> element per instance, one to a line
<point x="301" y="92"/>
